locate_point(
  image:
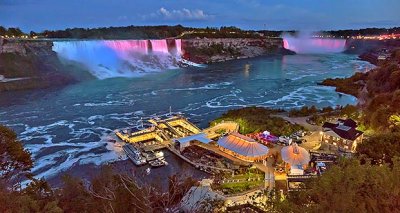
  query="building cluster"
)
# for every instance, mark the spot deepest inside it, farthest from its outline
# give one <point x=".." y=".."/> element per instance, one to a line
<point x="297" y="164"/>
<point x="343" y="134"/>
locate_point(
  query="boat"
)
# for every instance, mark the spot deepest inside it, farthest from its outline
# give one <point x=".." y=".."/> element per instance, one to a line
<point x="139" y="161"/>
<point x="164" y="161"/>
<point x="157" y="163"/>
<point x="134" y="154"/>
<point x="150" y="156"/>
<point x="159" y="154"/>
<point x="184" y="62"/>
<point x="153" y="155"/>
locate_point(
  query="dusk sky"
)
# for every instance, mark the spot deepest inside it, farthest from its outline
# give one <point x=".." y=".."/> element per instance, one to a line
<point x="247" y="14"/>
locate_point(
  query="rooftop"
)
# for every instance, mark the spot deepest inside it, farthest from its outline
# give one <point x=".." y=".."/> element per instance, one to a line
<point x="243" y="145"/>
<point x="202" y="137"/>
<point x="295" y="155"/>
<point x="344" y="128"/>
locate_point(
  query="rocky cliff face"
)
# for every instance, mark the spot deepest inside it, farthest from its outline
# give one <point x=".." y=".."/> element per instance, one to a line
<point x="30" y="65"/>
<point x="373" y="51"/>
<point x="359" y="46"/>
<point x="222" y="49"/>
<point x="23" y="48"/>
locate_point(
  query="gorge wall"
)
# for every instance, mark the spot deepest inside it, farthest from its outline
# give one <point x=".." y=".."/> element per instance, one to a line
<point x="23" y="47"/>
<point x="222" y="49"/>
<point x="31" y="65"/>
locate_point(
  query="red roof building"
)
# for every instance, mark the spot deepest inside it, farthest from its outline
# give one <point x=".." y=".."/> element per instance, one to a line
<point x="342" y="134"/>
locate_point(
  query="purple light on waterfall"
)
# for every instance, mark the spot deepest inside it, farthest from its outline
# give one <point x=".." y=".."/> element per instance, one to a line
<point x="122" y="58"/>
<point x="139" y="46"/>
<point x="307" y="44"/>
<point x="178" y="43"/>
<point x="160" y="46"/>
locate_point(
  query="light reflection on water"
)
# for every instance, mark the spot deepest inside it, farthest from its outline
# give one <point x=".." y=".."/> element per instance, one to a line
<point x="68" y="126"/>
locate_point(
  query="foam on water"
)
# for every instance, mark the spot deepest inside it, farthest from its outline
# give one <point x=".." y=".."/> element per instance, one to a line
<point x="70" y="127"/>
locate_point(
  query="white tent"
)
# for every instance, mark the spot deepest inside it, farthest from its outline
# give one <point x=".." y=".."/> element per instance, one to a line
<point x="295" y="155"/>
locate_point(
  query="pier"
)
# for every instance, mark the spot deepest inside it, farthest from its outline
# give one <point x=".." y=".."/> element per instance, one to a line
<point x="162" y="129"/>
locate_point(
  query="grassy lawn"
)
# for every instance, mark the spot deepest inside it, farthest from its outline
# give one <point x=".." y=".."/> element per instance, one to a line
<point x="257" y="119"/>
<point x="246" y="176"/>
<point x="232" y="188"/>
<point x="244" y="185"/>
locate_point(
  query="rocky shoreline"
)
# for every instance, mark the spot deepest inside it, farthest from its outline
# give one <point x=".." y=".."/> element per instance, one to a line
<point x="381" y="53"/>
<point x="31" y="65"/>
<point x="378" y="91"/>
<point x="224" y="49"/>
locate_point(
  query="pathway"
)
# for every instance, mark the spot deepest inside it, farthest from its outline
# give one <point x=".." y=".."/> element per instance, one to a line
<point x="313" y="141"/>
<point x="302" y="121"/>
<point x="4" y="79"/>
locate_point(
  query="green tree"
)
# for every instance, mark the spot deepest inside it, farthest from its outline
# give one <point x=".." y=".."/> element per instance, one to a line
<point x="349" y="187"/>
<point x="394" y="121"/>
<point x="380" y="148"/>
<point x="14" y="159"/>
<point x="3" y="31"/>
<point x="14" y="32"/>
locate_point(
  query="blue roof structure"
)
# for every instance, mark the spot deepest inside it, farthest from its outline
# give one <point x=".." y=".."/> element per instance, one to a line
<point x="202" y="137"/>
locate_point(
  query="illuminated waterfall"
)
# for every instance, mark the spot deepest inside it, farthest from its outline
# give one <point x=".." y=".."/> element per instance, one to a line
<point x="314" y="45"/>
<point x="121" y="58"/>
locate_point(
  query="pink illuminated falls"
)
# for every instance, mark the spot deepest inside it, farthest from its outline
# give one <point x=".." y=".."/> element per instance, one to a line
<point x="139" y="46"/>
<point x="160" y="46"/>
<point x="314" y="45"/>
<point x="122" y="58"/>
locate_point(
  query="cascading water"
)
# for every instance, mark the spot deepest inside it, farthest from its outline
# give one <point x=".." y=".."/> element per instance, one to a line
<point x="307" y="44"/>
<point x="121" y="58"/>
<point x="159" y="46"/>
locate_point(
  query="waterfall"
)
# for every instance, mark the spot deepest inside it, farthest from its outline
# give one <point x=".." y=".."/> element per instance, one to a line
<point x="121" y="58"/>
<point x="313" y="45"/>
<point x="159" y="46"/>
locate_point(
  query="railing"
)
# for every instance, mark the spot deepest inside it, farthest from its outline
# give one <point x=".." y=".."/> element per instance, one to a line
<point x="300" y="176"/>
<point x="240" y="180"/>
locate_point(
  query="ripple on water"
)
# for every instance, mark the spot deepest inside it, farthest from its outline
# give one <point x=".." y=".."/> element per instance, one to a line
<point x="69" y="127"/>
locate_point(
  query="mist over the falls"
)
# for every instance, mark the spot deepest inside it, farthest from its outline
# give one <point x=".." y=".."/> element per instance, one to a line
<point x="121" y="58"/>
<point x="304" y="43"/>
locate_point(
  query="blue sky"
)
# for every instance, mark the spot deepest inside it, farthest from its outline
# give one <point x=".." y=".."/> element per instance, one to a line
<point x="38" y="15"/>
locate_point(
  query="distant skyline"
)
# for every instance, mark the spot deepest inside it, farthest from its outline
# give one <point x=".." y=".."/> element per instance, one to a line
<point x="247" y="14"/>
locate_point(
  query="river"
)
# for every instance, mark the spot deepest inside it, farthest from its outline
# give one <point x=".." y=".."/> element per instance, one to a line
<point x="67" y="127"/>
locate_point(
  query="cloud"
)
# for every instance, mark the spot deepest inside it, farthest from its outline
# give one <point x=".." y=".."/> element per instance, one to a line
<point x="181" y="15"/>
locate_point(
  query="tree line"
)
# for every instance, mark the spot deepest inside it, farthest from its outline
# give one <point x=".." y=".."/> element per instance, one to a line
<point x="12" y="31"/>
<point x="165" y="31"/>
<point x="379" y="93"/>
